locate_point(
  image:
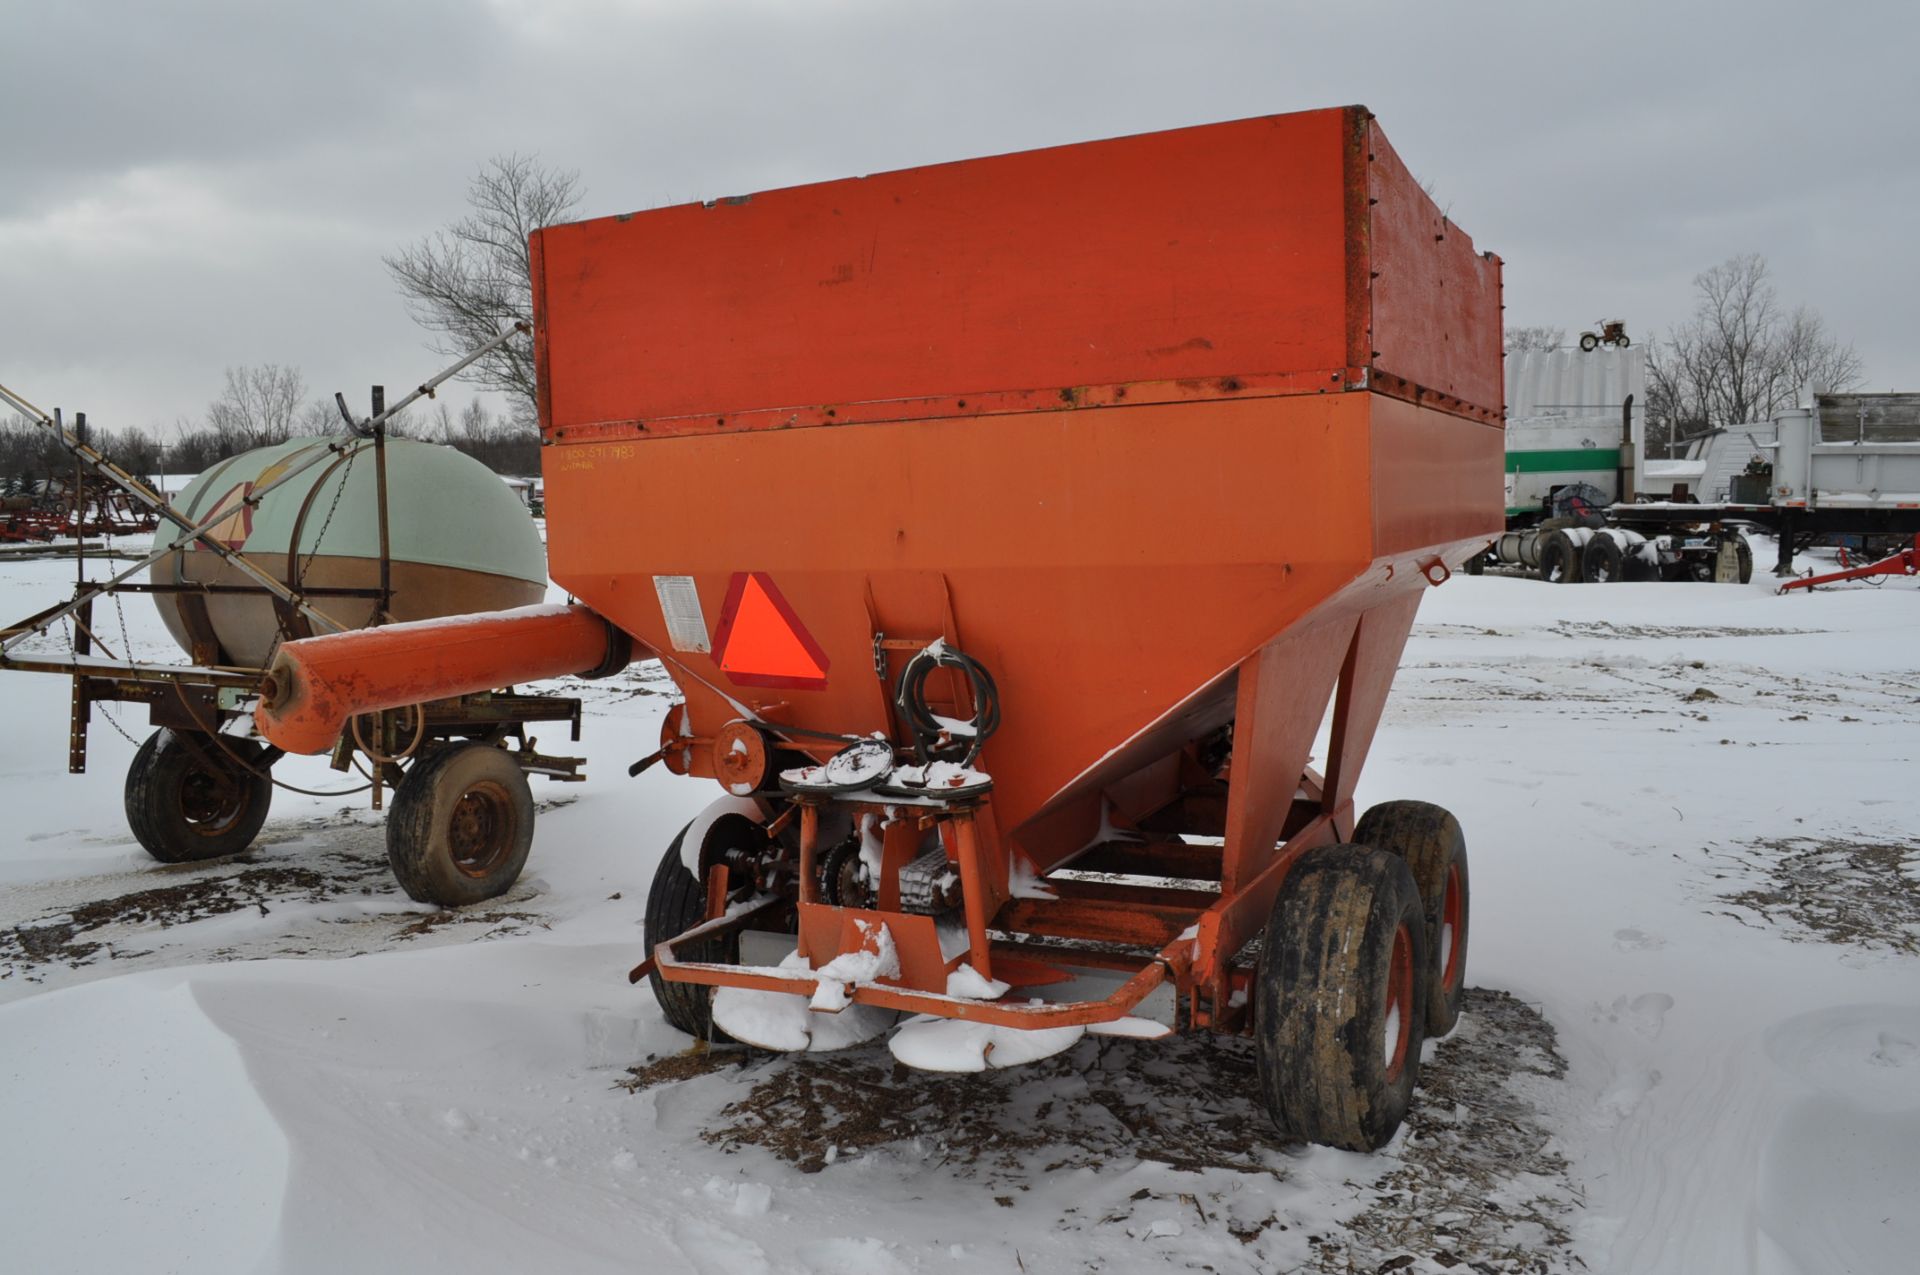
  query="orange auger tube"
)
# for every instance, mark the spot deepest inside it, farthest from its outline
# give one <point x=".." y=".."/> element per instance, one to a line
<point x="315" y="684"/>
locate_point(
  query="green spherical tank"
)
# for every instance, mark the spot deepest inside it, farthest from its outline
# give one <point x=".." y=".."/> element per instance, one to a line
<point x="459" y="541"/>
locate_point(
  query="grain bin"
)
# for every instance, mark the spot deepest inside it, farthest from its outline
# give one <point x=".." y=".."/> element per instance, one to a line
<point x="460" y="541"/>
<point x="1009" y="527"/>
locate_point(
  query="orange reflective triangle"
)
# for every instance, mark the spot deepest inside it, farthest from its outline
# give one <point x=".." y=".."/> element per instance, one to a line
<point x="761" y="641"/>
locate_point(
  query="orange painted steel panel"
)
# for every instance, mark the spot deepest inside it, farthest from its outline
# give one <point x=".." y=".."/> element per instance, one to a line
<point x="1283" y="695"/>
<point x="827" y="931"/>
<point x="1430" y="289"/>
<point x="318" y="683"/>
<point x="1112" y="566"/>
<point x="1153" y="257"/>
<point x="1230" y="259"/>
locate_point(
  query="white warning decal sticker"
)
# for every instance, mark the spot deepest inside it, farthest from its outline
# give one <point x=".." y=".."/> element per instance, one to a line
<point x="680" y="604"/>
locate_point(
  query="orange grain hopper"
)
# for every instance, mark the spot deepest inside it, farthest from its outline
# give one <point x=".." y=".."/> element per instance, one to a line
<point x="1009" y="527"/>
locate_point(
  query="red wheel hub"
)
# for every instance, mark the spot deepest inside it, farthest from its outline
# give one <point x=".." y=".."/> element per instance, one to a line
<point x="1452" y="930"/>
<point x="1399" y="1024"/>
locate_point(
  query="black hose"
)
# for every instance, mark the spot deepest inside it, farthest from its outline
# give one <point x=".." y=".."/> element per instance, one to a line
<point x="925" y="727"/>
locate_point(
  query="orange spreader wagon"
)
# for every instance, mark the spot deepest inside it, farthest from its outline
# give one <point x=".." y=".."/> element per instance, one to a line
<point x="1009" y="527"/>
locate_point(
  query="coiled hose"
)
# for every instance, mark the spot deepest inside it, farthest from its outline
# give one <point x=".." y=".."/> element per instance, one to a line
<point x="927" y="729"/>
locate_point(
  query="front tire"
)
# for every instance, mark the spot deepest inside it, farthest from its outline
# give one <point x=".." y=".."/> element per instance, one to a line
<point x="461" y="826"/>
<point x="677" y="902"/>
<point x="192" y="799"/>
<point x="1338" y="1021"/>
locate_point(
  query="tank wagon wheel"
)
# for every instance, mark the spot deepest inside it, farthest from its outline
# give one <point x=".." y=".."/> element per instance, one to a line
<point x="187" y="800"/>
<point x="1435" y="849"/>
<point x="1559" y="559"/>
<point x="677" y="902"/>
<point x="1338" y="1020"/>
<point x="1602" y="561"/>
<point x="461" y="826"/>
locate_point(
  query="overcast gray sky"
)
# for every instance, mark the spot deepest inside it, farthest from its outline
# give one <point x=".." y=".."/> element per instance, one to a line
<point x="185" y="186"/>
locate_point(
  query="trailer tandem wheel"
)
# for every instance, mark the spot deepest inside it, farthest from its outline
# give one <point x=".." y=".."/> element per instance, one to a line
<point x="1337" y="1018"/>
<point x="1602" y="561"/>
<point x="1559" y="558"/>
<point x="461" y="826"/>
<point x="187" y="799"/>
<point x="677" y="902"/>
<point x="1429" y="838"/>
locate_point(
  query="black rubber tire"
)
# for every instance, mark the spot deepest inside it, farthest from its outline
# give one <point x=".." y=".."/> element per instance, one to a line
<point x="186" y="800"/>
<point x="1589" y="342"/>
<point x="1602" y="561"/>
<point x="1476" y="563"/>
<point x="1559" y="558"/>
<point x="677" y="902"/>
<point x="1744" y="551"/>
<point x="1345" y="918"/>
<point x="1429" y="838"/>
<point x="461" y="826"/>
<point x="1622" y="341"/>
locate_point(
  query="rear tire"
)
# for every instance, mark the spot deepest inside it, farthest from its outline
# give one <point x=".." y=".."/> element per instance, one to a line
<point x="1337" y="1002"/>
<point x="1602" y="561"/>
<point x="461" y="826"/>
<point x="1429" y="838"/>
<point x="1589" y="342"/>
<point x="677" y="902"/>
<point x="1744" y="551"/>
<point x="1559" y="559"/>
<point x="188" y="800"/>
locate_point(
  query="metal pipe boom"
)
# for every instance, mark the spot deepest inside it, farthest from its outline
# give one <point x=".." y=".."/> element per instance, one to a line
<point x="315" y="684"/>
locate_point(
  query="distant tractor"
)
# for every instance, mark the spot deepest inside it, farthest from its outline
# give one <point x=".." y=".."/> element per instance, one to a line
<point x="1612" y="332"/>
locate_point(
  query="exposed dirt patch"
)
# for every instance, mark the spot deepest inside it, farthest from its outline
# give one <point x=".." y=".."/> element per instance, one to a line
<point x="1475" y="1181"/>
<point x="1181" y="1103"/>
<point x="1481" y="1187"/>
<point x="698" y="1061"/>
<point x="499" y="922"/>
<point x="63" y="938"/>
<point x="1865" y="894"/>
<point x="1608" y="629"/>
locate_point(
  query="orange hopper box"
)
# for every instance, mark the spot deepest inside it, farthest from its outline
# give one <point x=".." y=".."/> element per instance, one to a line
<point x="1167" y="433"/>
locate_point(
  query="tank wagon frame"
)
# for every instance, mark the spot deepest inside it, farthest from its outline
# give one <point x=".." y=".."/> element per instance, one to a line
<point x="200" y="785"/>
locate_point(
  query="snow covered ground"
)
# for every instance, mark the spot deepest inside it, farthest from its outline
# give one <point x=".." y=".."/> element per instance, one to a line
<point x="1696" y="1047"/>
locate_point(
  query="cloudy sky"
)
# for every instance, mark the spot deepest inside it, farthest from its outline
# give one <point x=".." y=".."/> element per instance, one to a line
<point x="187" y="186"/>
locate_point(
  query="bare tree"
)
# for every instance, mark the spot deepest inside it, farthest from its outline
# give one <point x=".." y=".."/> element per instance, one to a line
<point x="258" y="406"/>
<point x="473" y="278"/>
<point x="1809" y="356"/>
<point x="1741" y="356"/>
<point x="1535" y="337"/>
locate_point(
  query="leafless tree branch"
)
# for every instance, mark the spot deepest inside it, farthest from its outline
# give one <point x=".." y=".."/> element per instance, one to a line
<point x="472" y="278"/>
